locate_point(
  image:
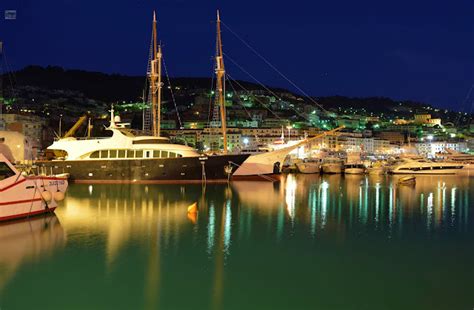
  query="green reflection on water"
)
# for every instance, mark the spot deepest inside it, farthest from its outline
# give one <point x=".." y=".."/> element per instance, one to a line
<point x="309" y="242"/>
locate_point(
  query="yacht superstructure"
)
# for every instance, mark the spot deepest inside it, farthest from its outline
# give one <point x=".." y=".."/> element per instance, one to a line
<point x="418" y="165"/>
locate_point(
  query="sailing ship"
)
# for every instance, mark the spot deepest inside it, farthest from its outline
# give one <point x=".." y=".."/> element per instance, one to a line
<point x="129" y="158"/>
<point x="266" y="165"/>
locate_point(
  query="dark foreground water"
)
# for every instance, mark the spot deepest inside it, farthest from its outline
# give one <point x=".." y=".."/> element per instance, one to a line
<point x="310" y="242"/>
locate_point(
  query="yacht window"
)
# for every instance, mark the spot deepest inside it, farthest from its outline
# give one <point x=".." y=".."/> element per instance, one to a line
<point x="104" y="154"/>
<point x="95" y="154"/>
<point x="121" y="154"/>
<point x="113" y="153"/>
<point x="130" y="153"/>
<point x="164" y="154"/>
<point x="5" y="171"/>
<point x="172" y="154"/>
<point x="147" y="154"/>
<point x="139" y="154"/>
<point x="156" y="154"/>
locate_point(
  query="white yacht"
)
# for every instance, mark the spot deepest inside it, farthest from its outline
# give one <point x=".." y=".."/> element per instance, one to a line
<point x="418" y="165"/>
<point x="457" y="157"/>
<point x="126" y="158"/>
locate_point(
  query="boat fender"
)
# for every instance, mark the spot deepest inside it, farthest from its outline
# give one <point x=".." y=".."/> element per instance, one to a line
<point x="58" y="196"/>
<point x="47" y="196"/>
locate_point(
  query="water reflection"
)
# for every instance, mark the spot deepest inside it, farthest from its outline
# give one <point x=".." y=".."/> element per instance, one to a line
<point x="245" y="227"/>
<point x="27" y="241"/>
<point x="305" y="203"/>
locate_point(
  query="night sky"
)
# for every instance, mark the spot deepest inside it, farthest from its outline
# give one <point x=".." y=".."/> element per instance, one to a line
<point x="420" y="50"/>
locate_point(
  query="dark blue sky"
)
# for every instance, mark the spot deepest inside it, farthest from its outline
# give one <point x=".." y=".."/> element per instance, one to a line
<point x="420" y="50"/>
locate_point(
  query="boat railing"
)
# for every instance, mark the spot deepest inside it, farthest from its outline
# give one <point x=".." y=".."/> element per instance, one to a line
<point x="83" y="138"/>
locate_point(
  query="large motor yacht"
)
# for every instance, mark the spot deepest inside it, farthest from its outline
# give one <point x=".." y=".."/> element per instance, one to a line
<point x="418" y="165"/>
<point x="127" y="158"/>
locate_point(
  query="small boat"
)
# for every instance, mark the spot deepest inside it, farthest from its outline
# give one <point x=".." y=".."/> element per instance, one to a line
<point x="309" y="166"/>
<point x="376" y="169"/>
<point x="23" y="196"/>
<point x="332" y="165"/>
<point x="408" y="180"/>
<point x="354" y="168"/>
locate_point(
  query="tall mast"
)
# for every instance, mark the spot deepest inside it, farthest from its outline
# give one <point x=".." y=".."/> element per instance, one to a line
<point x="220" y="74"/>
<point x="155" y="82"/>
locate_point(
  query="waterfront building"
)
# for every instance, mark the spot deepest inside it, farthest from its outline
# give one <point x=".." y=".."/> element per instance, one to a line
<point x="395" y="137"/>
<point x="31" y="126"/>
<point x="425" y="119"/>
<point x="15" y="146"/>
<point x="430" y="148"/>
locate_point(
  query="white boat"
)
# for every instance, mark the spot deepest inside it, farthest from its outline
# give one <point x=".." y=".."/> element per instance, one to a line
<point x="457" y="157"/>
<point x="408" y="180"/>
<point x="309" y="166"/>
<point x="354" y="168"/>
<point x="24" y="196"/>
<point x="418" y="165"/>
<point x="376" y="169"/>
<point x="332" y="165"/>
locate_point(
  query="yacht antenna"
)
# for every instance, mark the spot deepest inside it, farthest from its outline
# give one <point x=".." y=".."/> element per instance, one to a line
<point x="155" y="81"/>
<point x="220" y="74"/>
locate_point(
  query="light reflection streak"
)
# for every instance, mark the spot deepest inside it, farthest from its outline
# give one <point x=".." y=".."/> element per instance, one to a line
<point x="211" y="228"/>
<point x="429" y="210"/>
<point x="290" y="196"/>
<point x="377" y="201"/>
<point x="324" y="203"/>
<point x="313" y="204"/>
<point x="227" y="227"/>
<point x="453" y="205"/>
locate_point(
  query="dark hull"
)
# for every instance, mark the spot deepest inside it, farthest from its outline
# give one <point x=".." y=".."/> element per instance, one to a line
<point x="153" y="170"/>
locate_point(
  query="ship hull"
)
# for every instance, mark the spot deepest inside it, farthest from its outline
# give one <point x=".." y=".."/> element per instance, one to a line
<point x="153" y="170"/>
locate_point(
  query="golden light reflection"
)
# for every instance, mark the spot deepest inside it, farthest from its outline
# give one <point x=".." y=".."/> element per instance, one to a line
<point x="27" y="241"/>
<point x="290" y="195"/>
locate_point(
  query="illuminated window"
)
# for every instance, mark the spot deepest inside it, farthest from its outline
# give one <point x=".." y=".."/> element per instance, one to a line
<point x="121" y="154"/>
<point x="156" y="154"/>
<point x="130" y="153"/>
<point x="139" y="154"/>
<point x="104" y="154"/>
<point x="164" y="154"/>
<point x="113" y="154"/>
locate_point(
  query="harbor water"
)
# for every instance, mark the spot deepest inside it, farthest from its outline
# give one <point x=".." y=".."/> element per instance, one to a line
<point x="307" y="242"/>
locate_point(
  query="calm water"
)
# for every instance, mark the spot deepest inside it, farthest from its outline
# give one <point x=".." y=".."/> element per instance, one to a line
<point x="310" y="242"/>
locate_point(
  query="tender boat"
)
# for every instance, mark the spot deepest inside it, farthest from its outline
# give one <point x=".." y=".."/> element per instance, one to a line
<point x="332" y="165"/>
<point x="354" y="168"/>
<point x="418" y="165"/>
<point x="376" y="169"/>
<point x="23" y="196"/>
<point x="309" y="166"/>
<point x="408" y="180"/>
